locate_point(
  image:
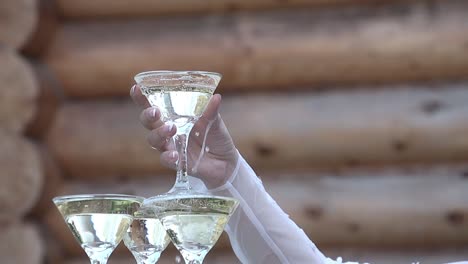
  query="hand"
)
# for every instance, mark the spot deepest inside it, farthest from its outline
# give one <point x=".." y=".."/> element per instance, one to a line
<point x="216" y="165"/>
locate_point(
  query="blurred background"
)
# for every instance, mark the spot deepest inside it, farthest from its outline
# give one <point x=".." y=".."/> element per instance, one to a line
<point x="354" y="114"/>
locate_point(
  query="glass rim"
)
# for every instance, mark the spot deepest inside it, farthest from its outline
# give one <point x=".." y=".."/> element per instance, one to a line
<point x="152" y="202"/>
<point x="169" y="196"/>
<point x="77" y="197"/>
<point x="213" y="76"/>
<point x="162" y="72"/>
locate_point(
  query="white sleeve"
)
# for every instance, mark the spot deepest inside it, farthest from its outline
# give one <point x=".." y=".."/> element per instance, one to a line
<point x="259" y="230"/>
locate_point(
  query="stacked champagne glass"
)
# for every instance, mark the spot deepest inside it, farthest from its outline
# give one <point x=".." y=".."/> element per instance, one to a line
<point x="193" y="221"/>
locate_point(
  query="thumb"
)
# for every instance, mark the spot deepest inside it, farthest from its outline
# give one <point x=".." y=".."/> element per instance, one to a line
<point x="212" y="109"/>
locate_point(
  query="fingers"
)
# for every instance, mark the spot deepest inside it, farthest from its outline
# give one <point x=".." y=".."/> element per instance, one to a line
<point x="138" y="97"/>
<point x="159" y="138"/>
<point x="150" y="118"/>
<point x="169" y="159"/>
<point x="212" y="109"/>
<point x="160" y="134"/>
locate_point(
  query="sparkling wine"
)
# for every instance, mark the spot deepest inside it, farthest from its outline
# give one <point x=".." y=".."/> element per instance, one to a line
<point x="146" y="238"/>
<point x="99" y="204"/>
<point x="194" y="233"/>
<point x="194" y="223"/>
<point x="182" y="104"/>
<point x="98" y="222"/>
<point x="103" y="231"/>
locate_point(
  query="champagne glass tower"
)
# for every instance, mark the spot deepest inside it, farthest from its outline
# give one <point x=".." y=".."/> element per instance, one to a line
<point x="98" y="221"/>
<point x="194" y="221"/>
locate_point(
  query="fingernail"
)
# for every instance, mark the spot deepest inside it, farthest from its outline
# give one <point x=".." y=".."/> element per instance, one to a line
<point x="154" y="112"/>
<point x="133" y="89"/>
<point x="169" y="127"/>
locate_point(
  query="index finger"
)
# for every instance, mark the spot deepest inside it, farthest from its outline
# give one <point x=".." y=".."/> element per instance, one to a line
<point x="138" y="97"/>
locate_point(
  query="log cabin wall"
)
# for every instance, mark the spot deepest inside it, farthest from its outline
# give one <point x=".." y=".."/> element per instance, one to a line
<point x="352" y="112"/>
<point x="22" y="171"/>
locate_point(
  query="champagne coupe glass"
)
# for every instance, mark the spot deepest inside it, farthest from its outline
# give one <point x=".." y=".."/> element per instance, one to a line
<point x="98" y="221"/>
<point x="146" y="238"/>
<point x="181" y="97"/>
<point x="194" y="221"/>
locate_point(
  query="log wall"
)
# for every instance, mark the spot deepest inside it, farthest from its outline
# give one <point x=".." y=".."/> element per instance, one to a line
<point x="337" y="128"/>
<point x="353" y="113"/>
<point x="23" y="170"/>
<point x="21" y="243"/>
<point x="89" y="9"/>
<point x="18" y="19"/>
<point x="19" y="91"/>
<point x="383" y="44"/>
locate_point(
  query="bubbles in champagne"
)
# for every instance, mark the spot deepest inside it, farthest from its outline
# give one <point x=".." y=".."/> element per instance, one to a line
<point x="180" y="105"/>
<point x="203" y="149"/>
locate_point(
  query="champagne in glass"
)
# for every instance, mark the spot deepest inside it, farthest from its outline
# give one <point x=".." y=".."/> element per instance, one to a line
<point x="146" y="238"/>
<point x="182" y="97"/>
<point x="194" y="221"/>
<point x="182" y="105"/>
<point x="98" y="221"/>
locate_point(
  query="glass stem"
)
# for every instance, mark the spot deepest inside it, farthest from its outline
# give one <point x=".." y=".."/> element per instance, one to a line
<point x="192" y="258"/>
<point x="181" y="143"/>
<point x="194" y="261"/>
<point x="96" y="261"/>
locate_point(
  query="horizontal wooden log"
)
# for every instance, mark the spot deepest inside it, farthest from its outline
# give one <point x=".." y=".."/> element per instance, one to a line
<point x="302" y="48"/>
<point x="21" y="176"/>
<point x="53" y="180"/>
<point x="54" y="253"/>
<point x="21" y="243"/>
<point x="44" y="30"/>
<point x="361" y="256"/>
<point x="83" y="124"/>
<point x="278" y="132"/>
<point x="19" y="90"/>
<point x="17" y="21"/>
<point x="47" y="102"/>
<point x="105" y="9"/>
<point x="379" y="208"/>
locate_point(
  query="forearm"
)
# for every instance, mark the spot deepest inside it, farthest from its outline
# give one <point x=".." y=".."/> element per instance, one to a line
<point x="259" y="230"/>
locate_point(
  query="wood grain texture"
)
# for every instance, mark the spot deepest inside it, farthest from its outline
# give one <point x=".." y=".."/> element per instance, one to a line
<point x="300" y="49"/>
<point x="87" y="9"/>
<point x="48" y="100"/>
<point x="280" y="132"/>
<point x="53" y="180"/>
<point x="17" y="21"/>
<point x="44" y="29"/>
<point x="21" y="243"/>
<point x="22" y="176"/>
<point x="19" y="91"/>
